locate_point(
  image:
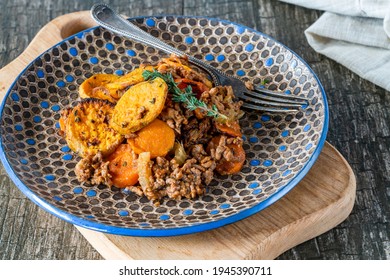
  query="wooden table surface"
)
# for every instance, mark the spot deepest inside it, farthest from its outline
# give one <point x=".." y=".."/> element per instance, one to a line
<point x="359" y="128"/>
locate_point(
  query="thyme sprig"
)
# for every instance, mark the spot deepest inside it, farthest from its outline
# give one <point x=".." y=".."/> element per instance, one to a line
<point x="187" y="96"/>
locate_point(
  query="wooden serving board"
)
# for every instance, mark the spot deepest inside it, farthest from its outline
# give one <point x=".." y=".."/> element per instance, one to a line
<point x="322" y="200"/>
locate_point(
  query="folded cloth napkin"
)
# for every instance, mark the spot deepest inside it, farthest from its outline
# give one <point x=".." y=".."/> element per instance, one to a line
<point x="355" y="33"/>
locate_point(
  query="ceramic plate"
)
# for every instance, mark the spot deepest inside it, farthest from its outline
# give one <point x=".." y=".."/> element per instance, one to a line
<point x="280" y="148"/>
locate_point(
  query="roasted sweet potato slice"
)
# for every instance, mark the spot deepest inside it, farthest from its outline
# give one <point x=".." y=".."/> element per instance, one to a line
<point x="96" y="87"/>
<point x="139" y="106"/>
<point x="157" y="138"/>
<point x="87" y="130"/>
<point x="118" y="87"/>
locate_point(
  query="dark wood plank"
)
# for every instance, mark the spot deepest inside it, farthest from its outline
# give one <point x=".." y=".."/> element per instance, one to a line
<point x="359" y="128"/>
<point x="26" y="231"/>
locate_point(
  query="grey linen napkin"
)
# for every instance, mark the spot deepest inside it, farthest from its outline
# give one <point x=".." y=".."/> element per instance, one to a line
<point x="355" y="33"/>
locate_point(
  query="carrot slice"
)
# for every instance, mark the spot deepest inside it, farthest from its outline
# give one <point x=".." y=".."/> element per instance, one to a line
<point x="225" y="167"/>
<point x="197" y="87"/>
<point x="229" y="128"/>
<point x="123" y="167"/>
<point x="157" y="138"/>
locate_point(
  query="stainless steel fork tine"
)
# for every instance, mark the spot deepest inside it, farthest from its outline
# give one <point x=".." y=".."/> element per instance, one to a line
<point x="282" y="95"/>
<point x="268" y="109"/>
<point x="278" y="102"/>
<point x="276" y="98"/>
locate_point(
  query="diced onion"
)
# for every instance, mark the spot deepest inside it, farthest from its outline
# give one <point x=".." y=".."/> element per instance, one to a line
<point x="180" y="153"/>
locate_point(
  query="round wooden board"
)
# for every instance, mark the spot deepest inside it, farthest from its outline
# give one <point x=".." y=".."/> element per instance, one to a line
<point x="322" y="200"/>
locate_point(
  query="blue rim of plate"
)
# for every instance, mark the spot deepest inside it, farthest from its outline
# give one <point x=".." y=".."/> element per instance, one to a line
<point x="170" y="231"/>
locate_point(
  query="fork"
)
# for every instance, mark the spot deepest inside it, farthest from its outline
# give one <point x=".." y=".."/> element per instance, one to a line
<point x="257" y="98"/>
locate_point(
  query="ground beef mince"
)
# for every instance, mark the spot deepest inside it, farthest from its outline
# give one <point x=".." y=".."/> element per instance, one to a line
<point x="173" y="114"/>
<point x="223" y="97"/>
<point x="94" y="170"/>
<point x="175" y="181"/>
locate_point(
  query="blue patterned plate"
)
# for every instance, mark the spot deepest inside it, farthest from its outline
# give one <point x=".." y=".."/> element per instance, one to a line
<point x="280" y="148"/>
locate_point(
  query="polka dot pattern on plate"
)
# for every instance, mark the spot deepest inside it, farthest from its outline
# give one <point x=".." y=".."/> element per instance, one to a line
<point x="277" y="146"/>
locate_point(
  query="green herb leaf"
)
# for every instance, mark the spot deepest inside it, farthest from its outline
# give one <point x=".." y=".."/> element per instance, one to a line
<point x="264" y="82"/>
<point x="187" y="96"/>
